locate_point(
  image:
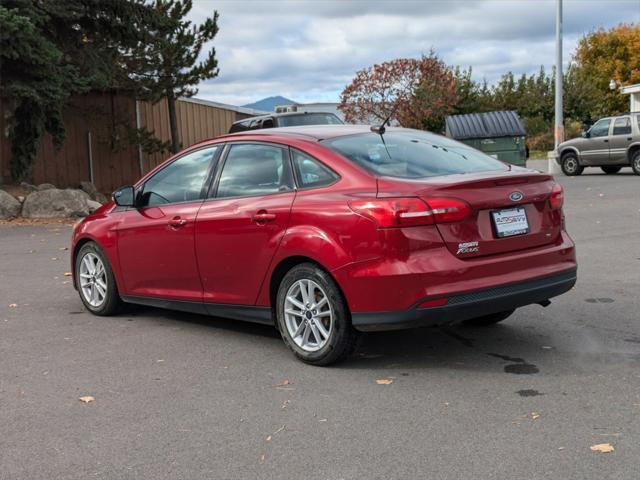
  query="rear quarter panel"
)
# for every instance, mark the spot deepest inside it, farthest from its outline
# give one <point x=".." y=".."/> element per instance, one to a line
<point x="322" y="226"/>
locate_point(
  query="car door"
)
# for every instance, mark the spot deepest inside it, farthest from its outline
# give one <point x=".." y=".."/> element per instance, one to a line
<point x="156" y="239"/>
<point x="620" y="140"/>
<point x="240" y="227"/>
<point x="595" y="151"/>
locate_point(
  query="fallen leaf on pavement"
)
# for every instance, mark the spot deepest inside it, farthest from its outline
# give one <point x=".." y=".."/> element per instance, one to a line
<point x="67" y="274"/>
<point x="535" y="415"/>
<point x="268" y="439"/>
<point x="13" y="305"/>
<point x="285" y="385"/>
<point x="384" y="381"/>
<point x="602" y="448"/>
<point x="87" y="399"/>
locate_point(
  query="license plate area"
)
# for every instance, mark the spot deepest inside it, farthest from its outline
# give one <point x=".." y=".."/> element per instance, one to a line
<point x="509" y="222"/>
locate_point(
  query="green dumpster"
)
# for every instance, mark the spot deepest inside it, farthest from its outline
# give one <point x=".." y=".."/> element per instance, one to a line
<point x="498" y="134"/>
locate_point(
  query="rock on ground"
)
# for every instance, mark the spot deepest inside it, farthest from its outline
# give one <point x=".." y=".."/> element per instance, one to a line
<point x="89" y="187"/>
<point x="9" y="206"/>
<point x="93" y="205"/>
<point x="93" y="192"/>
<point x="100" y="197"/>
<point x="28" y="187"/>
<point x="54" y="203"/>
<point x="46" y="186"/>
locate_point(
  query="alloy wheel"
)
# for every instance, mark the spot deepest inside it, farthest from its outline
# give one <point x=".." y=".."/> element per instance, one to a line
<point x="308" y="315"/>
<point x="93" y="280"/>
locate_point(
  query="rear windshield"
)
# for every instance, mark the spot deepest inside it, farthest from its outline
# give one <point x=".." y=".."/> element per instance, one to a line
<point x="309" y="119"/>
<point x="412" y="154"/>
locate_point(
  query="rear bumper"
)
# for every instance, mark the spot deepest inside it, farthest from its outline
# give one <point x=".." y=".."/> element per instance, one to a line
<point x="470" y="304"/>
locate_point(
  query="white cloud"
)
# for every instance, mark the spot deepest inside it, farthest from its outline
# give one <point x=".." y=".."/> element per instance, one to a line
<point x="309" y="50"/>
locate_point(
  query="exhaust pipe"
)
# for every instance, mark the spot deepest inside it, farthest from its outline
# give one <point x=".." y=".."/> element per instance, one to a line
<point x="545" y="303"/>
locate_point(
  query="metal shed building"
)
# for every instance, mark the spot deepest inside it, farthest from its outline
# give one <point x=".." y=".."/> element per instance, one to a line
<point x="498" y="134"/>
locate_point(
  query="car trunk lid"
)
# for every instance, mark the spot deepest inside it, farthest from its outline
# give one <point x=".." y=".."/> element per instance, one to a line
<point x="486" y="193"/>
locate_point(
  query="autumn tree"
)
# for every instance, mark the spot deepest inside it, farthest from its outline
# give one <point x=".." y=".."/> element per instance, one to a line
<point x="606" y="55"/>
<point x="419" y="92"/>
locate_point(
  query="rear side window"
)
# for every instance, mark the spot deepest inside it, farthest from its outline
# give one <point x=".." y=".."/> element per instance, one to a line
<point x="252" y="169"/>
<point x="310" y="172"/>
<point x="412" y="154"/>
<point x="622" y="126"/>
<point x="181" y="181"/>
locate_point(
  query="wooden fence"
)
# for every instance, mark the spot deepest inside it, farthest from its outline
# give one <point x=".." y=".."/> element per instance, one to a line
<point x="98" y="145"/>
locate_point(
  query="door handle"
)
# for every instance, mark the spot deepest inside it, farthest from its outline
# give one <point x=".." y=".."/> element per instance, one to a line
<point x="263" y="216"/>
<point x="177" y="222"/>
<point x="606" y="141"/>
<point x="629" y="138"/>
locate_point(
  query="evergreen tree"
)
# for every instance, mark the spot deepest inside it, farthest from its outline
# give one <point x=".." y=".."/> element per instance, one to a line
<point x="51" y="50"/>
<point x="168" y="65"/>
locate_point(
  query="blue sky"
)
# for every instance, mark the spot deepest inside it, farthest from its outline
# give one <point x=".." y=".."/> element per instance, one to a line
<point x="308" y="50"/>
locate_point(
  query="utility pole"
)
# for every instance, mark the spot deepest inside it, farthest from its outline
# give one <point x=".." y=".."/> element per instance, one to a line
<point x="559" y="126"/>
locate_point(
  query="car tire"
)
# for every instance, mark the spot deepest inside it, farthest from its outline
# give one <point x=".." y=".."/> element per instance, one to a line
<point x="313" y="317"/>
<point x="491" y="319"/>
<point x="95" y="281"/>
<point x="570" y="165"/>
<point x="635" y="162"/>
<point x="611" y="170"/>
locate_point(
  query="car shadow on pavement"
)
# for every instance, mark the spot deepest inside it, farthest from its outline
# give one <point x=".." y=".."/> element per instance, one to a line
<point x="152" y="313"/>
<point x="513" y="347"/>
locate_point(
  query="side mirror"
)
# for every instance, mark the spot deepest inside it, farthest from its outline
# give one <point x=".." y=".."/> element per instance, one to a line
<point x="124" y="196"/>
<point x="585" y="134"/>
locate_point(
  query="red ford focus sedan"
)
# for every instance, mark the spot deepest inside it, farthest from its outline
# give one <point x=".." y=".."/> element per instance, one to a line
<point x="326" y="231"/>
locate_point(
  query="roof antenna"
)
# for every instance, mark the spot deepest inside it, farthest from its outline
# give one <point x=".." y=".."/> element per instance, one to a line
<point x="380" y="129"/>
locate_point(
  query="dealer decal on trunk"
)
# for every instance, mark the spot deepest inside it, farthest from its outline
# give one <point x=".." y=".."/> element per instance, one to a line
<point x="468" y="247"/>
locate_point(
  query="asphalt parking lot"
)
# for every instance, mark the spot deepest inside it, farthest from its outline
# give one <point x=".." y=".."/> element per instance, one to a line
<point x="180" y="396"/>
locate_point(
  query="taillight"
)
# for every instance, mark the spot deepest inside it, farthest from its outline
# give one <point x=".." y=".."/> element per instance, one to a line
<point x="411" y="212"/>
<point x="556" y="200"/>
<point x="394" y="212"/>
<point x="447" y="210"/>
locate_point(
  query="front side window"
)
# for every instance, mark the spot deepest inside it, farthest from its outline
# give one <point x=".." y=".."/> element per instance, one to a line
<point x="181" y="181"/>
<point x="622" y="126"/>
<point x="253" y="169"/>
<point x="310" y="172"/>
<point x="412" y="154"/>
<point x="601" y="128"/>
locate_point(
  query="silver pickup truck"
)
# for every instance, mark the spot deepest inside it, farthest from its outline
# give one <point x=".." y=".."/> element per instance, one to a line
<point x="611" y="143"/>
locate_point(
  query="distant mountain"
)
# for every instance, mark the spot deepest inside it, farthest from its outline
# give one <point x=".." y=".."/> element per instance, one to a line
<point x="269" y="104"/>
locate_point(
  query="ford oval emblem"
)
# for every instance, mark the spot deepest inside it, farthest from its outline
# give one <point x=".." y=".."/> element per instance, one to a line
<point x="515" y="196"/>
